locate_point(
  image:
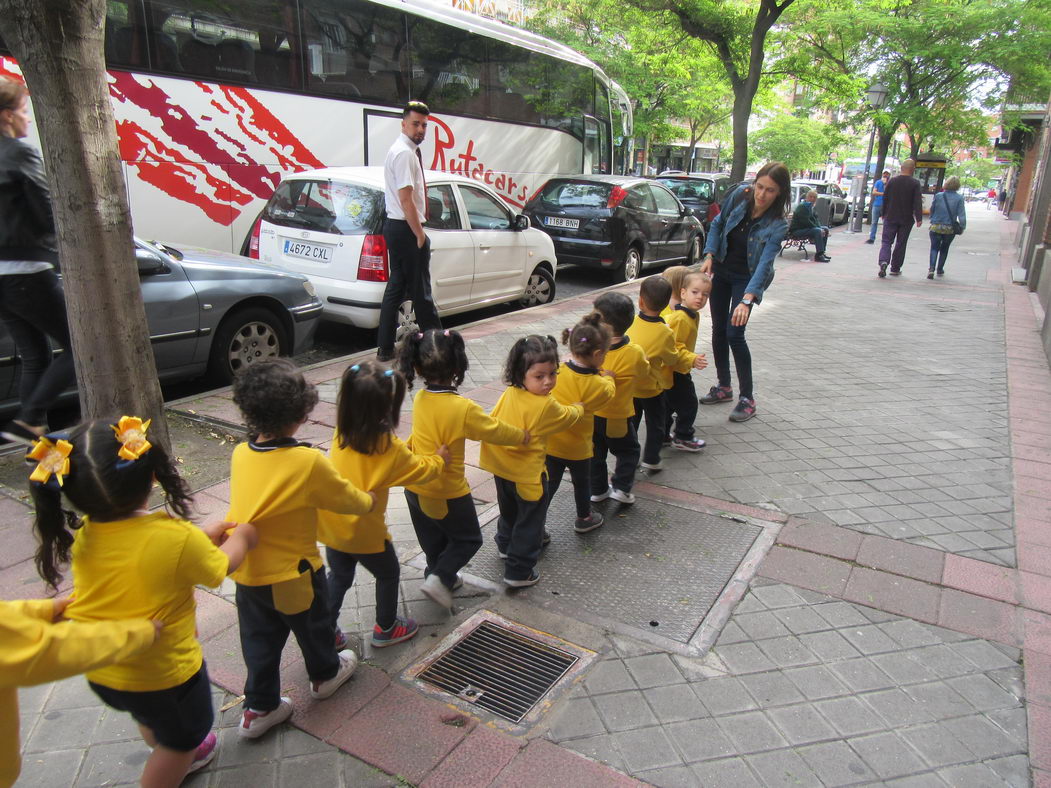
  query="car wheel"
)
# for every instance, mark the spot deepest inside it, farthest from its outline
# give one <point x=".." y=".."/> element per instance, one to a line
<point x="406" y="322"/>
<point x="630" y="269"/>
<point x="243" y="338"/>
<point x="540" y="289"/>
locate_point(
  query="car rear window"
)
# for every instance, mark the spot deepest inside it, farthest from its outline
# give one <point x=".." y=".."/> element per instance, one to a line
<point x="326" y="206"/>
<point x="691" y="189"/>
<point x="576" y="194"/>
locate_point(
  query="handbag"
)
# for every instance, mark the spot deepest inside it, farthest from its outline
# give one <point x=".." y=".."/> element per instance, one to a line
<point x="956" y="228"/>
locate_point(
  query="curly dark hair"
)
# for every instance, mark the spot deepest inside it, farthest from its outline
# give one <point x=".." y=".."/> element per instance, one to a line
<point x="527" y="351"/>
<point x="438" y="356"/>
<point x="368" y="407"/>
<point x="588" y="336"/>
<point x="273" y="396"/>
<point x="617" y="310"/>
<point x="101" y="485"/>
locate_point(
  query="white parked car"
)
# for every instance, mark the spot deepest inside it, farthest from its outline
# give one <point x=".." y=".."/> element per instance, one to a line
<point x="327" y="224"/>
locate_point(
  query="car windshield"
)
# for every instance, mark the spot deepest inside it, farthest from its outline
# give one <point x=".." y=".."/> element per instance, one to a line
<point x="326" y="206"/>
<point x="576" y="194"/>
<point x="688" y="190"/>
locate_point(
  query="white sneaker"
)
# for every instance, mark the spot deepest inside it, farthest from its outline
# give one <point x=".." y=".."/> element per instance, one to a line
<point x="653" y="466"/>
<point x="434" y="589"/>
<point x="348" y="663"/>
<point x="255" y="723"/>
<point x="601" y="496"/>
<point x="621" y="496"/>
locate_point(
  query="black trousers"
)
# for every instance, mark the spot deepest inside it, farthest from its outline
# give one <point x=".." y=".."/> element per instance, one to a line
<point x="726" y="294"/>
<point x="519" y="529"/>
<point x="264" y="631"/>
<point x="33" y="309"/>
<point x="409" y="280"/>
<point x="382" y="566"/>
<point x="448" y="543"/>
<point x="681" y="402"/>
<point x="626" y="451"/>
<point x="579" y="473"/>
<point x="652" y="408"/>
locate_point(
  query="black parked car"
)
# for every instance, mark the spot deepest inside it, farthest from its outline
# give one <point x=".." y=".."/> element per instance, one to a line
<point x="703" y="193"/>
<point x="619" y="223"/>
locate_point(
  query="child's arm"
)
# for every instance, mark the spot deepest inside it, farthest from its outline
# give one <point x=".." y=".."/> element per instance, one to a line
<point x="556" y="417"/>
<point x="599" y="395"/>
<point x="234" y="539"/>
<point x="686" y="358"/>
<point x="480" y="426"/>
<point x="327" y="489"/>
<point x="411" y="468"/>
<point x="34" y="650"/>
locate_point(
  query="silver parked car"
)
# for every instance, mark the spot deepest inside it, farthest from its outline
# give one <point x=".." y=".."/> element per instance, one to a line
<point x="831" y="200"/>
<point x="209" y="313"/>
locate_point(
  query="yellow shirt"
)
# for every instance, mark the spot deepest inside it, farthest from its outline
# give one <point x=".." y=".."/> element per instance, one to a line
<point x="441" y="416"/>
<point x="657" y="342"/>
<point x="542" y="416"/>
<point x="579" y="384"/>
<point x="393" y="467"/>
<point x="279" y="489"/>
<point x="627" y="361"/>
<point x="145" y="567"/>
<point x="33" y="650"/>
<point x="684" y="324"/>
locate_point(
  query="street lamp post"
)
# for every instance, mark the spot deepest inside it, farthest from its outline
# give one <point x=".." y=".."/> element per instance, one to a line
<point x="876" y="96"/>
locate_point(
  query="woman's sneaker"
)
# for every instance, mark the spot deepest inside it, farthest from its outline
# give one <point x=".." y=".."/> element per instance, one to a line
<point x="589" y="523"/>
<point x="348" y="663"/>
<point x="717" y="394"/>
<point x="744" y="410"/>
<point x="255" y="723"/>
<point x="687" y="444"/>
<point x="401" y="630"/>
<point x="341" y="640"/>
<point x="206" y="751"/>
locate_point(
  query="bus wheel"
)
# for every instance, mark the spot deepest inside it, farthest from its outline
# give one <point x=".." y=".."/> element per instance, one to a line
<point x="630" y="269"/>
<point x="406" y="322"/>
<point x="540" y="289"/>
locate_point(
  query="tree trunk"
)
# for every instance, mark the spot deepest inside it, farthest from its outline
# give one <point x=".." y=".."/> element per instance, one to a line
<point x="59" y="47"/>
<point x="645" y="155"/>
<point x="883" y="145"/>
<point x="741" y="112"/>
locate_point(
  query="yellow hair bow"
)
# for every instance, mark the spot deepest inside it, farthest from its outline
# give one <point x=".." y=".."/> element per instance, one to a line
<point x="131" y="432"/>
<point x="52" y="459"/>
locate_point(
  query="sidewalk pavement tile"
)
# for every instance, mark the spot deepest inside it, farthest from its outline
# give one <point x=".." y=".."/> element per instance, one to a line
<point x="921" y="563"/>
<point x="475" y="762"/>
<point x="1038" y="677"/>
<point x="1034" y="557"/>
<point x="807" y="570"/>
<point x="893" y="593"/>
<point x="981" y="578"/>
<point x="980" y="616"/>
<point x="543" y="763"/>
<point x="1040" y="736"/>
<point x="1036" y="591"/>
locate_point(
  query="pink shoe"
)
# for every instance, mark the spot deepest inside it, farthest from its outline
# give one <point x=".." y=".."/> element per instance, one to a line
<point x="206" y="751"/>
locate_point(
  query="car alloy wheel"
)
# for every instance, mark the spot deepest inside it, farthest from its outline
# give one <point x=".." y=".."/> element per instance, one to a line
<point x="406" y="322"/>
<point x="540" y="289"/>
<point x="244" y="338"/>
<point x="632" y="265"/>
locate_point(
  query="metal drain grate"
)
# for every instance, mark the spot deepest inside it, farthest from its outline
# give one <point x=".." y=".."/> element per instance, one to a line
<point x="499" y="670"/>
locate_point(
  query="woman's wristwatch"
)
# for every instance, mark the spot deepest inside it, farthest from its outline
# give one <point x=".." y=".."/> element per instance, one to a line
<point x="748" y="302"/>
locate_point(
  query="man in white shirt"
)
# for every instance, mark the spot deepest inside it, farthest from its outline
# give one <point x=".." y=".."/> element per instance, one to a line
<point x="408" y="247"/>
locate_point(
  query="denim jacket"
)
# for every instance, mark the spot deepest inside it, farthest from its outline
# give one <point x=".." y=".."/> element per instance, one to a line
<point x="764" y="240"/>
<point x="949" y="207"/>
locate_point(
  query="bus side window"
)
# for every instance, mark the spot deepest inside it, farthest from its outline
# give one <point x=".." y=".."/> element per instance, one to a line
<point x="447" y="66"/>
<point x="505" y="85"/>
<point x="355" y="49"/>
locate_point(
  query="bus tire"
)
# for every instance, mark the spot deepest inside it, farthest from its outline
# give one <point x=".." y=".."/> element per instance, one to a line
<point x="540" y="288"/>
<point x="629" y="270"/>
<point x="244" y="337"/>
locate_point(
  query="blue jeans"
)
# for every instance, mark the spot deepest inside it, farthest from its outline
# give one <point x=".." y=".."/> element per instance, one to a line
<point x="875" y="211"/>
<point x="940" y="249"/>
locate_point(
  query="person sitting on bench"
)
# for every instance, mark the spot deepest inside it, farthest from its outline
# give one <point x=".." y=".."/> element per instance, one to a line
<point x="805" y="225"/>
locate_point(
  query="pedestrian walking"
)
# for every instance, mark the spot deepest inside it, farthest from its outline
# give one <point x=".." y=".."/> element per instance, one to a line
<point x="877" y="204"/>
<point x="31" y="302"/>
<point x="990" y="198"/>
<point x="902" y="204"/>
<point x="948" y="219"/>
<point x="739" y="254"/>
<point x="408" y="247"/>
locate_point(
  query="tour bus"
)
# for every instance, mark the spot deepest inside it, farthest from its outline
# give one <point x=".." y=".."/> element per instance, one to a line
<point x="216" y="99"/>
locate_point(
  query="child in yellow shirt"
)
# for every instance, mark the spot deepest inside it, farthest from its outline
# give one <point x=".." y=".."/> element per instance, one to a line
<point x="674" y="274"/>
<point x="683" y="319"/>
<point x="582" y="380"/>
<point x="367" y="453"/>
<point x="442" y="510"/>
<point x="532" y="366"/>
<point x="614" y="428"/>
<point x="129" y="563"/>
<point x="281" y="485"/>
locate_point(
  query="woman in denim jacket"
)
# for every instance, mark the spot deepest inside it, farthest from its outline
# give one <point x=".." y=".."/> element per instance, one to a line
<point x="946" y="208"/>
<point x="739" y="255"/>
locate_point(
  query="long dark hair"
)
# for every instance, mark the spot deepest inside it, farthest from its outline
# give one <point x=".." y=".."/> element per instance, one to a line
<point x="368" y="407"/>
<point x="103" y="486"/>
<point x="780" y="175"/>
<point x="438" y="356"/>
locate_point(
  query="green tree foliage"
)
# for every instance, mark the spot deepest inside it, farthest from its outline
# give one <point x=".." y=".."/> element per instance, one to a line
<point x="801" y="143"/>
<point x="976" y="173"/>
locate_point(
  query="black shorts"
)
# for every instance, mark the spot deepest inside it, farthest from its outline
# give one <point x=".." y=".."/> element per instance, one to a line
<point x="180" y="717"/>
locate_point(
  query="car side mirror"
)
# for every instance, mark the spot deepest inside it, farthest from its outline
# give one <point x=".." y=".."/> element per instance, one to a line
<point x="687" y="211"/>
<point x="521" y="222"/>
<point x="149" y="264"/>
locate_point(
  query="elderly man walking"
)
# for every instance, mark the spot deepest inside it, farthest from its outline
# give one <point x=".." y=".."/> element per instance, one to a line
<point x="902" y="204"/>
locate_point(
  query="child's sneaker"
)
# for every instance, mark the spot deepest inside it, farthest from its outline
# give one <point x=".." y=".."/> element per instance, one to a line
<point x="602" y="495"/>
<point x="653" y="466"/>
<point x="206" y="751"/>
<point x="687" y="444"/>
<point x="341" y="639"/>
<point x="401" y="630"/>
<point x="255" y="723"/>
<point x="546" y="540"/>
<point x="348" y="663"/>
<point x="621" y="496"/>
<point x="717" y="394"/>
<point x="532" y="580"/>
<point x="744" y="410"/>
<point x="589" y="523"/>
<point x="434" y="589"/>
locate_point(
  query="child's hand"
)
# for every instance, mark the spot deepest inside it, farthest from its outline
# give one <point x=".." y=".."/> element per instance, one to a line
<point x="371" y="495"/>
<point x="526" y="437"/>
<point x="700" y="362"/>
<point x="157" y="627"/>
<point x="443" y="452"/>
<point x="60" y="605"/>
<point x="217" y="531"/>
<point x="605" y="373"/>
<point x="248" y="532"/>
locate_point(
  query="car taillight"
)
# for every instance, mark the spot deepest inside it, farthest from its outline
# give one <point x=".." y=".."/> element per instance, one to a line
<point x="713" y="211"/>
<point x="253" y="242"/>
<point x="372" y="264"/>
<point x="616" y="197"/>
